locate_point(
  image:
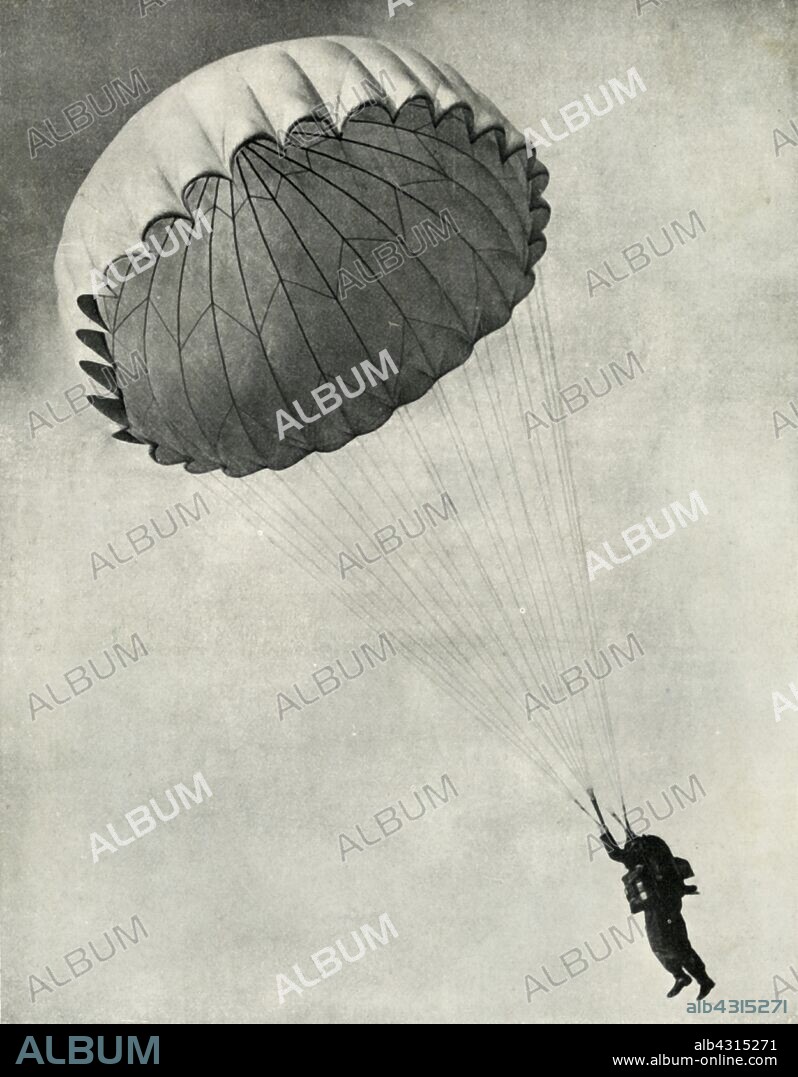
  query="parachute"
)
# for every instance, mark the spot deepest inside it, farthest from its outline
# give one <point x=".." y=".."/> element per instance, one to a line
<point x="312" y="253"/>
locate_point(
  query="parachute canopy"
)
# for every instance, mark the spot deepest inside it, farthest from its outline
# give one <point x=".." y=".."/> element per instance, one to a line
<point x="294" y="163"/>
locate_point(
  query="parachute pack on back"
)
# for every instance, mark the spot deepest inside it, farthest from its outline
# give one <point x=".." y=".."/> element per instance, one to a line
<point x="660" y="874"/>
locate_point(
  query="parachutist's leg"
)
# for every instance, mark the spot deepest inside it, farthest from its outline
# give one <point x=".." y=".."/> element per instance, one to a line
<point x="695" y="966"/>
<point x="670" y="962"/>
<point x="677" y="930"/>
<point x="657" y="930"/>
<point x="678" y="944"/>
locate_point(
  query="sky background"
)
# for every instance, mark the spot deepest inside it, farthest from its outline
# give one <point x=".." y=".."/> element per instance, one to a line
<point x="498" y="882"/>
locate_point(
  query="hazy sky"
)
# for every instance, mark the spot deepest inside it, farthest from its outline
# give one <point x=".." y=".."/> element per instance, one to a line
<point x="491" y="886"/>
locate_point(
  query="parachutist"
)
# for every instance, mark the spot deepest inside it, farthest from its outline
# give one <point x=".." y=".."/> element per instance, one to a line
<point x="655" y="885"/>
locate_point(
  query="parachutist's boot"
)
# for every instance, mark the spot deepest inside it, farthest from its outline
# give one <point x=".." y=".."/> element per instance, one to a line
<point x="679" y="984"/>
<point x="706" y="986"/>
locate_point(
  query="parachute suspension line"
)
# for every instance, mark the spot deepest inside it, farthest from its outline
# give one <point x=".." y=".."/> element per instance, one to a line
<point x="479" y="625"/>
<point x="547" y="487"/>
<point x="457" y="653"/>
<point x="571" y="562"/>
<point x="429" y="463"/>
<point x="579" y="541"/>
<point x="519" y="557"/>
<point x="469" y="469"/>
<point x="553" y="736"/>
<point x="352" y="604"/>
<point x="525" y="735"/>
<point x="497" y="475"/>
<point x="548" y="587"/>
<point x="454" y="692"/>
<point x="511" y="460"/>
<point x="406" y="417"/>
<point x="367" y="595"/>
<point x="544" y="346"/>
<point x="441" y="554"/>
<point x="550" y="594"/>
<point x="565" y="565"/>
<point x="443" y="678"/>
<point x="489" y="519"/>
<point x="378" y="600"/>
<point x="543" y="481"/>
<point x="581" y="548"/>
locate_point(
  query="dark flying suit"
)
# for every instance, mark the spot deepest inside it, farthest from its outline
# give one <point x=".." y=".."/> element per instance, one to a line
<point x="665" y="926"/>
